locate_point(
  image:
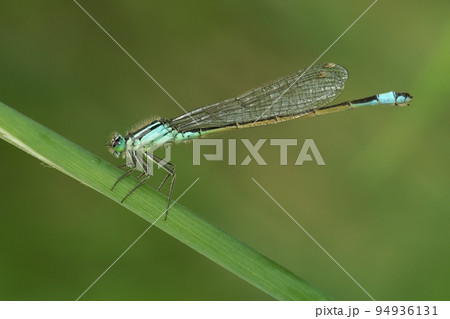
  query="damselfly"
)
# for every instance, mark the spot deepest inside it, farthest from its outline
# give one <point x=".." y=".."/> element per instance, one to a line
<point x="301" y="94"/>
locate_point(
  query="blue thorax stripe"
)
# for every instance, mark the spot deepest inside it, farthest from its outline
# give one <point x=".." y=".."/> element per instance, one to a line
<point x="139" y="134"/>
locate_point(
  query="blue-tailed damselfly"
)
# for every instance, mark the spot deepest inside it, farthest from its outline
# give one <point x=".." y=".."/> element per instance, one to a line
<point x="301" y="94"/>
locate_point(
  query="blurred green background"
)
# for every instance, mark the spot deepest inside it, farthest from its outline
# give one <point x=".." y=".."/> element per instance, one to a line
<point x="380" y="206"/>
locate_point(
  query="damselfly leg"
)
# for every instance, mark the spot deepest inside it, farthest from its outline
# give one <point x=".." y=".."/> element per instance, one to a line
<point x="129" y="172"/>
<point x="142" y="161"/>
<point x="170" y="169"/>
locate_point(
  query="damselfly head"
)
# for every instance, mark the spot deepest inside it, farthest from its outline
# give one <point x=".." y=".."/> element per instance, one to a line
<point x="117" y="145"/>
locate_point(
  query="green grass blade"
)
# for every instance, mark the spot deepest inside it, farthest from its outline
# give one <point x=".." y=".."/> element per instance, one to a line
<point x="182" y="224"/>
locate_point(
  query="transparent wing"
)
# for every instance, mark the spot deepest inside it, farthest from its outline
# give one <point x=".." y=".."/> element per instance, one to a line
<point x="306" y="91"/>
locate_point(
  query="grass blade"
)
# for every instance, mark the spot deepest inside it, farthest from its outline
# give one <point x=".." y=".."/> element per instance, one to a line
<point x="76" y="162"/>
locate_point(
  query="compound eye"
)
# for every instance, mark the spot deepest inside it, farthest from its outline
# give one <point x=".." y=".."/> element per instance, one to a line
<point x="115" y="140"/>
<point x="118" y="144"/>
